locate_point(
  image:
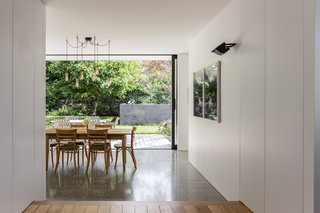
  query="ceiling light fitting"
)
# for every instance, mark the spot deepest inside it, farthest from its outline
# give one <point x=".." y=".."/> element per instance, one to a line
<point x="80" y="45"/>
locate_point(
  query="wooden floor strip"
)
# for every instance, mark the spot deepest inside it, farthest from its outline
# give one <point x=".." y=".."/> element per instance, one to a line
<point x="166" y="209"/>
<point x="55" y="209"/>
<point x="116" y="209"/>
<point x="178" y="209"/>
<point x="67" y="209"/>
<point x="140" y="208"/>
<point x="31" y="208"/>
<point x="135" y="207"/>
<point x="153" y="208"/>
<point x="104" y="209"/>
<point x="43" y="208"/>
<point x="92" y="209"/>
<point x="79" y="208"/>
<point x="128" y="209"/>
<point x="190" y="209"/>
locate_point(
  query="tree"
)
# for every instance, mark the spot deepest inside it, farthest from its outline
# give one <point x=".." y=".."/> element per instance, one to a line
<point x="114" y="81"/>
<point x="100" y="94"/>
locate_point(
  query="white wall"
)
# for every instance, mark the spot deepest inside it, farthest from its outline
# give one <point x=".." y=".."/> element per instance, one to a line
<point x="214" y="147"/>
<point x="317" y="115"/>
<point x="6" y="104"/>
<point x="261" y="152"/>
<point x="183" y="101"/>
<point x="22" y="103"/>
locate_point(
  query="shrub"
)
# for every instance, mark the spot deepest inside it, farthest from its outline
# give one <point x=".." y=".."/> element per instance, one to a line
<point x="165" y="127"/>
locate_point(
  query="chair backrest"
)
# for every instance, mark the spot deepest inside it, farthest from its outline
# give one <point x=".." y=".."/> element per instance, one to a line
<point x="60" y="123"/>
<point x="103" y="126"/>
<point x="78" y="126"/>
<point x="66" y="136"/>
<point x="133" y="131"/>
<point x="115" y="120"/>
<point x="93" y="117"/>
<point x="97" y="135"/>
<point x="71" y="118"/>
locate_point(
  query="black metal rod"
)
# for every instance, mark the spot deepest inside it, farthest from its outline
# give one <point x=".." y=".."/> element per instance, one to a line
<point x="102" y="54"/>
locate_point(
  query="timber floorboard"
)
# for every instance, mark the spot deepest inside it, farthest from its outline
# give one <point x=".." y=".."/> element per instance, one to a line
<point x="136" y="207"/>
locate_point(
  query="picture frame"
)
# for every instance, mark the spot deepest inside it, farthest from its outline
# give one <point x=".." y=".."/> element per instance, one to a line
<point x="207" y="92"/>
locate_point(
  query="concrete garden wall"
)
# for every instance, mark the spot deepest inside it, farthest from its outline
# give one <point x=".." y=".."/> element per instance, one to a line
<point x="144" y="113"/>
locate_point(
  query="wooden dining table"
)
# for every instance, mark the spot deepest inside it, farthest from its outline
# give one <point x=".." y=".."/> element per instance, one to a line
<point x="113" y="134"/>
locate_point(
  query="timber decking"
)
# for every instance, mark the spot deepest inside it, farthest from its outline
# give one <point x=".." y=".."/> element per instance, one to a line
<point x="135" y="207"/>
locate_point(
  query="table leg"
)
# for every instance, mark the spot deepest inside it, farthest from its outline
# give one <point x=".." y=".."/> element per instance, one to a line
<point x="47" y="151"/>
<point x="124" y="152"/>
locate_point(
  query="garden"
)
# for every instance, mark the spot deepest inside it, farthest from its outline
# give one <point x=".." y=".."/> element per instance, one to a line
<point x="97" y="88"/>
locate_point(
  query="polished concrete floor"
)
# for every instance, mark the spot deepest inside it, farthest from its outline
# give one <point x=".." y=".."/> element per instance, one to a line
<point x="162" y="175"/>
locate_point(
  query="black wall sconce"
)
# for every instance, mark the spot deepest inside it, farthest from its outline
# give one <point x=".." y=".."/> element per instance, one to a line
<point x="223" y="48"/>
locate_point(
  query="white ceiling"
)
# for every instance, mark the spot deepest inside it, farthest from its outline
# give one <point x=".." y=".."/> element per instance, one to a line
<point x="134" y="26"/>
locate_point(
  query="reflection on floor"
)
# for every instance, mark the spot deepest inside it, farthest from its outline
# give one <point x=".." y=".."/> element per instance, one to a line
<point x="162" y="175"/>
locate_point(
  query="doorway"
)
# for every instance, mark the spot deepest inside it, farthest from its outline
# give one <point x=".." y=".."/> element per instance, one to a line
<point x="137" y="90"/>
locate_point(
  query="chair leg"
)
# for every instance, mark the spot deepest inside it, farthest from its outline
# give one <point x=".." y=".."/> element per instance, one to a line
<point x="133" y="158"/>
<point x="105" y="160"/>
<point x="62" y="158"/>
<point x="74" y="162"/>
<point x="78" y="159"/>
<point x="88" y="162"/>
<point x="83" y="147"/>
<point x="68" y="158"/>
<point x="92" y="158"/>
<point x="95" y="157"/>
<point x="117" y="151"/>
<point x="111" y="154"/>
<point x="51" y="151"/>
<point x="57" y="161"/>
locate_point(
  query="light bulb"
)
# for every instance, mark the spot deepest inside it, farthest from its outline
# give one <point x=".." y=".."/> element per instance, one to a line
<point x="77" y="83"/>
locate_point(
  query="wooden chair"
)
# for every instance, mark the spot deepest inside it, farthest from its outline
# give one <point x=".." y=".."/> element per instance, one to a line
<point x="105" y="126"/>
<point x="81" y="142"/>
<point x="129" y="148"/>
<point x="97" y="140"/>
<point x="57" y="123"/>
<point x="115" y="121"/>
<point x="66" y="139"/>
<point x="71" y="117"/>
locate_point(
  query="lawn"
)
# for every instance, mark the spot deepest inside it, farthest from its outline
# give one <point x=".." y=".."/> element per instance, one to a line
<point x="141" y="129"/>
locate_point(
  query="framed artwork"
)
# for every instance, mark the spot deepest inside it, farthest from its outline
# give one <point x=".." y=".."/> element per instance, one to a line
<point x="207" y="92"/>
<point x="198" y="94"/>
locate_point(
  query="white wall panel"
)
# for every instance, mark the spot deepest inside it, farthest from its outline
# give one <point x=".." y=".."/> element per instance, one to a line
<point x="39" y="100"/>
<point x="309" y="105"/>
<point x="23" y="71"/>
<point x="284" y="106"/>
<point x="317" y="109"/>
<point x="252" y="126"/>
<point x="183" y="101"/>
<point x="22" y="103"/>
<point x="214" y="147"/>
<point x="6" y="14"/>
<point x="273" y="121"/>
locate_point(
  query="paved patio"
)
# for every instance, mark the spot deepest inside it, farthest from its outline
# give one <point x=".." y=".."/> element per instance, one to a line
<point x="149" y="141"/>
